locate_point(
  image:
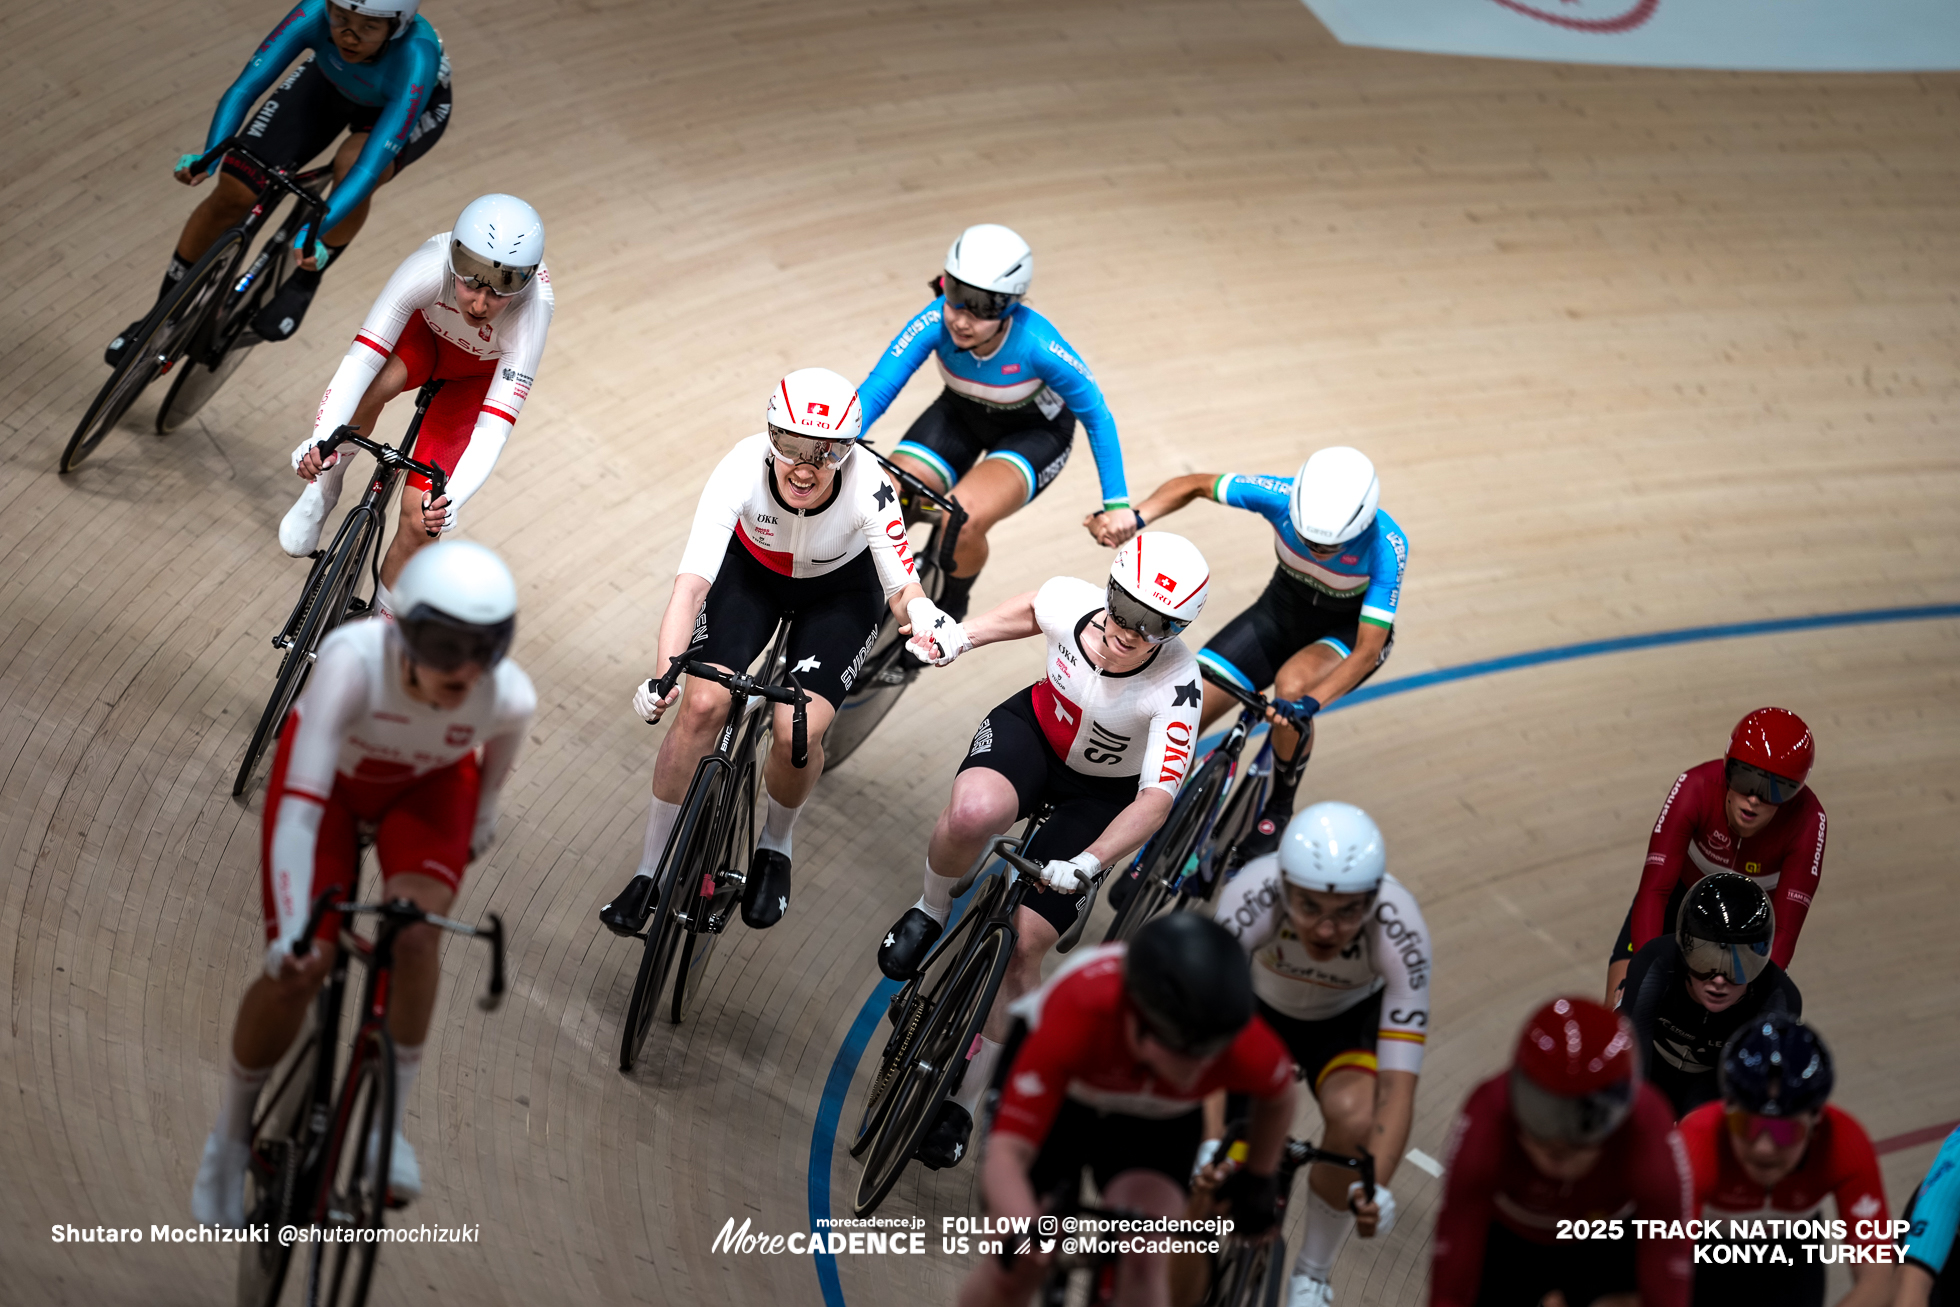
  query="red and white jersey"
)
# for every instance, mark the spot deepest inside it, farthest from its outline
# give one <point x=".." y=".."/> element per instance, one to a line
<point x="1077" y="1048"/>
<point x="1142" y="723"/>
<point x="512" y="345"/>
<point x="1838" y="1163"/>
<point x="741" y="499"/>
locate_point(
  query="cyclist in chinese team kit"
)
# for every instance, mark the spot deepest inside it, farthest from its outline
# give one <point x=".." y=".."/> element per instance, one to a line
<point x="1750" y="812"/>
<point x="1568" y="1135"/>
<point x="1105" y="736"/>
<point x="386" y="735"/>
<point x="378" y="70"/>
<point x="1773" y="1149"/>
<point x="1123" y="1044"/>
<point x="1001" y="429"/>
<point x="1326" y="621"/>
<point x="796" y="521"/>
<point x="1341" y="963"/>
<point x="471" y="307"/>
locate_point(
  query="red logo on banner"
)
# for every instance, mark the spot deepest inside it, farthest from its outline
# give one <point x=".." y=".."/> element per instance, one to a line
<point x="1611" y="15"/>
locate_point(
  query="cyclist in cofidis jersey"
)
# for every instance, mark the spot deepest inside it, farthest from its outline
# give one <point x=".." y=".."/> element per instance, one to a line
<point x="796" y="521"/>
<point x="1326" y="622"/>
<point x="471" y="307"/>
<point x="1105" y="737"/>
<point x="378" y="71"/>
<point x="410" y="728"/>
<point x="1001" y="429"/>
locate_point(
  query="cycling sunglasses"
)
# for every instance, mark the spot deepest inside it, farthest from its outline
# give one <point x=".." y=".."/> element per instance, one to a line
<point x="1739" y="964"/>
<point x="1783" y="1131"/>
<point x="988" y="305"/>
<point x="1132" y="615"/>
<point x="1202" y="1050"/>
<point x="1759" y="784"/>
<point x="481" y="274"/>
<point x="817" y="451"/>
<point x="436" y="640"/>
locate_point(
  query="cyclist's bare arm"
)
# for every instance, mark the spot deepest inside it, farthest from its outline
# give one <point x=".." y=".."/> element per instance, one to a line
<point x="1175" y="494"/>
<point x="1266" y="1135"/>
<point x="1347" y="673"/>
<point x="391" y="381"/>
<point x="677" y="624"/>
<point x="1012" y="620"/>
<point x="1132" y="826"/>
<point x="1395" y="1109"/>
<point x="1004" y="1177"/>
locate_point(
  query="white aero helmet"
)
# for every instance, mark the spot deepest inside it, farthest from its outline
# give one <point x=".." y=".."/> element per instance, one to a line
<point x="1335" y="848"/>
<point x="456" y="603"/>
<point x="988" y="268"/>
<point x="401" y="11"/>
<point x="1157" y="585"/>
<point x="814" y="417"/>
<point x="1334" y="496"/>
<point x="497" y="244"/>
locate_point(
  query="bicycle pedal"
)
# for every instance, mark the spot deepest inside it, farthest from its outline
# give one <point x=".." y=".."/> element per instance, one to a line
<point x="318" y="553"/>
<point x="356" y="604"/>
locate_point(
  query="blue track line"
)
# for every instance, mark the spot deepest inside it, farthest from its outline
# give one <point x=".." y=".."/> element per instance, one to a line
<point x="830" y="1109"/>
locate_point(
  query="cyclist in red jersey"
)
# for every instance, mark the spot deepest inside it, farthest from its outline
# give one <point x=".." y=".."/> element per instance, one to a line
<point x="1749" y="812"/>
<point x="1771" y="1150"/>
<point x="1122" y="1046"/>
<point x="1568" y="1142"/>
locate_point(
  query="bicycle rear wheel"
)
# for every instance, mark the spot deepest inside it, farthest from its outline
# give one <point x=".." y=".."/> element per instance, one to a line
<point x="272" y="1180"/>
<point x="1164" y="862"/>
<point x="881" y="681"/>
<point x="354" y="1181"/>
<point x="161" y="341"/>
<point x="934" y="1061"/>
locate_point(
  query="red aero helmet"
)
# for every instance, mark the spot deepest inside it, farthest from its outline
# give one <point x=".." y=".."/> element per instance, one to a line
<point x="1770" y="753"/>
<point x="1575" y="1075"/>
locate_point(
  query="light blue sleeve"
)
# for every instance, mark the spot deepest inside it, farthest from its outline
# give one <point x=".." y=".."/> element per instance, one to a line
<point x="909" y="348"/>
<point x="1267" y="496"/>
<point x="298" y="32"/>
<point x="1386" y="563"/>
<point x="412" y="82"/>
<point x="1056" y="362"/>
<point x="1935" y="1210"/>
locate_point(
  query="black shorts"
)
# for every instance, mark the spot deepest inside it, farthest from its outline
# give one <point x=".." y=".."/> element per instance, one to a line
<point x="1623" y="949"/>
<point x="955" y="432"/>
<point x="833" y="619"/>
<point x="1110" y="1143"/>
<point x="1010" y="742"/>
<point x="1323" y="1047"/>
<point x="1519" y="1273"/>
<point x="1288" y="617"/>
<point x="306" y="113"/>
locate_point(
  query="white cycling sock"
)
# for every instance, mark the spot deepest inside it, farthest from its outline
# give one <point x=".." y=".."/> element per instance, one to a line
<point x="777" y="826"/>
<point x="937" y="901"/>
<point x="408" y="1065"/>
<point x="241" y="1096"/>
<point x="384" y="598"/>
<point x="979" y="1074"/>
<point x="660" y="824"/>
<point x="1327" y="1230"/>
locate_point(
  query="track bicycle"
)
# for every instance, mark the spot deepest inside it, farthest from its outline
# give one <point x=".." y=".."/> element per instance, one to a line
<point x="1079" y="1277"/>
<point x="700" y="873"/>
<point x="321" y="1146"/>
<point x="1254" y="1272"/>
<point x="1196" y="849"/>
<point x="937" y="1015"/>
<point x="330" y="596"/>
<point x="200" y="328"/>
<point x="886" y="670"/>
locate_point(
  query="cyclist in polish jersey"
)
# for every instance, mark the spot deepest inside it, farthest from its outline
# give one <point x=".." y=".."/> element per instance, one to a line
<point x="1340" y="966"/>
<point x="1105" y="736"/>
<point x="471" y="307"/>
<point x="1002" y="428"/>
<point x="1326" y="621"/>
<point x="409" y="728"/>
<point x="794" y="520"/>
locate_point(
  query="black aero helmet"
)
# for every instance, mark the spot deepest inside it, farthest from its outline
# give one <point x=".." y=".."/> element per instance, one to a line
<point x="1776" y="1066"/>
<point x="1726" y="928"/>
<point x="1190" y="983"/>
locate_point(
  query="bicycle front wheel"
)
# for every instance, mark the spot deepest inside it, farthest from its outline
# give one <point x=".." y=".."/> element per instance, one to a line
<point x="736" y="820"/>
<point x="354" y="1180"/>
<point x="680" y="874"/>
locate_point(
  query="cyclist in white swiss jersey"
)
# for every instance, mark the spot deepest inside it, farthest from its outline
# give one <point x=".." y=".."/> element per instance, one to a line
<point x="1105" y="736"/>
<point x="386" y="736"/>
<point x="796" y="520"/>
<point x="471" y="308"/>
<point x="1340" y="967"/>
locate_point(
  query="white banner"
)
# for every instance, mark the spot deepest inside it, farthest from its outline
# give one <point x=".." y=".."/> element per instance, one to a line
<point x="1768" y="35"/>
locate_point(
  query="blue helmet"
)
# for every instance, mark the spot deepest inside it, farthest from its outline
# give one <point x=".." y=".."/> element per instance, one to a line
<point x="1776" y="1066"/>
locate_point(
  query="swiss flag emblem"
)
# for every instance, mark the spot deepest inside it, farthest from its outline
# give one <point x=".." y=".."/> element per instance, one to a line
<point x="821" y="410"/>
<point x="458" y="736"/>
<point x="1165" y="583"/>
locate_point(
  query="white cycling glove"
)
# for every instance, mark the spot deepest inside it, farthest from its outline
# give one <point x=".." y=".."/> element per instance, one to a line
<point x="1072" y="875"/>
<point x="449" y="509"/>
<point x="648" y="704"/>
<point x="1384" y="1200"/>
<point x="306" y="447"/>
<point x="279" y="952"/>
<point x="1207" y="1153"/>
<point x="936" y="638"/>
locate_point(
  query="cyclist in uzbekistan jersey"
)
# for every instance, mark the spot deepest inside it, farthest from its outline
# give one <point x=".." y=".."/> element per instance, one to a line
<point x="1001" y="430"/>
<point x="1326" y="621"/>
<point x="1105" y="736"/>
<point x="386" y="735"/>
<point x="1340" y="966"/>
<point x="378" y="70"/>
<point x="796" y="521"/>
<point x="1931" y="1277"/>
<point x="472" y="307"/>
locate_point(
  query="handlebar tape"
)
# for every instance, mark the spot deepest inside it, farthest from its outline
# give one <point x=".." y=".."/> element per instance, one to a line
<point x="799" y="731"/>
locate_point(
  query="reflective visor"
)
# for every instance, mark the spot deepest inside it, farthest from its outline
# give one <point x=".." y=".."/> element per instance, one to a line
<point x="479" y="273"/>
<point x="1783" y="1131"/>
<point x="1583" y="1120"/>
<point x="1132" y="614"/>
<point x="985" y="304"/>
<point x="1757" y="783"/>
<point x="817" y="451"/>
<point x="435" y="639"/>
<point x="1739" y="963"/>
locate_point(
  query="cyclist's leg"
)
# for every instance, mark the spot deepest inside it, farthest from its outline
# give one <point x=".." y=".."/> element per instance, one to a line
<point x="940" y="448"/>
<point x="1141" y="1166"/>
<point x="445" y="434"/>
<point x="1020" y="463"/>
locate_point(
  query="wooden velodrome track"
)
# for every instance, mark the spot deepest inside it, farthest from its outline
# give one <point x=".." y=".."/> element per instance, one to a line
<point x="1634" y="350"/>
